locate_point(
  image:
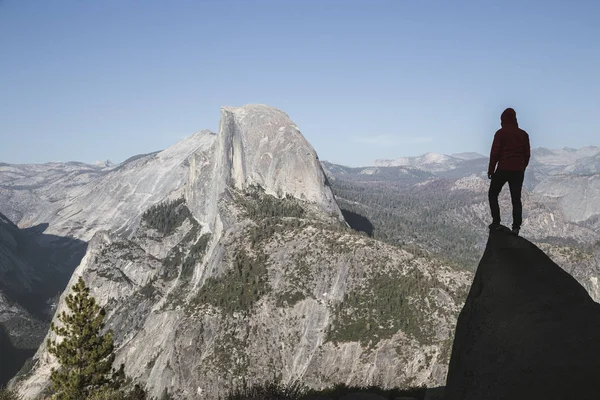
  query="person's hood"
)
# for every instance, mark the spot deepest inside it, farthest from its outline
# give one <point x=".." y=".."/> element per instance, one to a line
<point x="509" y="117"/>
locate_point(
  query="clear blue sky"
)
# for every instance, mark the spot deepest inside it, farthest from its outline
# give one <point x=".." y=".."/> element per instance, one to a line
<point x="91" y="80"/>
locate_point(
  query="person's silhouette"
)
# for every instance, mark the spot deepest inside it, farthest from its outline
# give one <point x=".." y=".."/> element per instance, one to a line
<point x="510" y="152"/>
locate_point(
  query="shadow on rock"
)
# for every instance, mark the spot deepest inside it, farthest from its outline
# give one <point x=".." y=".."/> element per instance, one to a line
<point x="11" y="357"/>
<point x="53" y="258"/>
<point x="277" y="391"/>
<point x="343" y="392"/>
<point x="358" y="222"/>
<point x="528" y="329"/>
<point x="36" y="269"/>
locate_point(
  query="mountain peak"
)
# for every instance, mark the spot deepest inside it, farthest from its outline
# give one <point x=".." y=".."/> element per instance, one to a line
<point x="433" y="162"/>
<point x="258" y="145"/>
<point x="527" y="330"/>
<point x="467" y="156"/>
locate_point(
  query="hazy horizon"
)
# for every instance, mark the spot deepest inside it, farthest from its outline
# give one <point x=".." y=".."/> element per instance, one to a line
<point x="371" y="164"/>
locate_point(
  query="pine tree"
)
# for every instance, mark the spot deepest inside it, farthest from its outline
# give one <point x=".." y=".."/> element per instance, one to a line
<point x="85" y="355"/>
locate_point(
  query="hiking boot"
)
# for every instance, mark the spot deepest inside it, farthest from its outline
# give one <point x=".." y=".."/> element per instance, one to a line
<point x="515" y="231"/>
<point x="495" y="226"/>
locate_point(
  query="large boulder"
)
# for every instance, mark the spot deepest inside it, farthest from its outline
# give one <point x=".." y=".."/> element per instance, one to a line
<point x="528" y="330"/>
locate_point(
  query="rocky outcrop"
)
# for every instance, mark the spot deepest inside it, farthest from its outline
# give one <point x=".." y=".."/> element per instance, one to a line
<point x="528" y="330"/>
<point x="263" y="147"/>
<point x="257" y="145"/>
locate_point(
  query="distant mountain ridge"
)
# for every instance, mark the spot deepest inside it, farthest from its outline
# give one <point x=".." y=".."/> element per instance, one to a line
<point x="433" y="162"/>
<point x="28" y="191"/>
<point x="567" y="160"/>
<point x="467" y="156"/>
<point x="570" y="177"/>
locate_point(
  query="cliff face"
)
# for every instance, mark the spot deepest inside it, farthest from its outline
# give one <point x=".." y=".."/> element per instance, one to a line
<point x="257" y="145"/>
<point x="528" y="330"/>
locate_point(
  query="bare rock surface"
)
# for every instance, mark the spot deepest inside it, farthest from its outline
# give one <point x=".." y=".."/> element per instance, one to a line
<point x="79" y="200"/>
<point x="528" y="330"/>
<point x="257" y="145"/>
<point x="303" y="327"/>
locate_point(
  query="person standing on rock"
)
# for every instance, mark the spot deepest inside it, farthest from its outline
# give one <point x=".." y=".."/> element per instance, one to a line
<point x="509" y="158"/>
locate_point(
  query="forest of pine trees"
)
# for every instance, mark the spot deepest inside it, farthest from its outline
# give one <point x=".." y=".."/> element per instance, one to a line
<point x="167" y="216"/>
<point x="417" y="220"/>
<point x="260" y="205"/>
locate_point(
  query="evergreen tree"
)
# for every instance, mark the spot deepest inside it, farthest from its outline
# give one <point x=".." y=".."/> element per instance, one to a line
<point x="85" y="355"/>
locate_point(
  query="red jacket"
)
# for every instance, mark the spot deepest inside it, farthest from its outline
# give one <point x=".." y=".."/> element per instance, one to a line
<point x="510" y="149"/>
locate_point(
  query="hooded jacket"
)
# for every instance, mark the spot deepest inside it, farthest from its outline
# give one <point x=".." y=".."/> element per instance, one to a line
<point x="510" y="149"/>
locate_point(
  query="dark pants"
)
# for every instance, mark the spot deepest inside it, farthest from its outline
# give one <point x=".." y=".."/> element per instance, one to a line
<point x="515" y="183"/>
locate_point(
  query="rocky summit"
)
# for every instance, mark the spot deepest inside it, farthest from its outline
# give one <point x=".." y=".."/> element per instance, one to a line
<point x="257" y="145"/>
<point x="245" y="272"/>
<point x="528" y="330"/>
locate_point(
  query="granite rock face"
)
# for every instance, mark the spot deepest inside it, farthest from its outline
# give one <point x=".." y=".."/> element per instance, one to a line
<point x="528" y="330"/>
<point x="78" y="200"/>
<point x="573" y="195"/>
<point x="257" y="145"/>
<point x="312" y="320"/>
<point x="263" y="280"/>
<point x="264" y="147"/>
